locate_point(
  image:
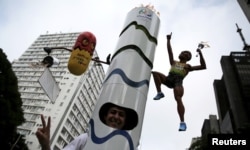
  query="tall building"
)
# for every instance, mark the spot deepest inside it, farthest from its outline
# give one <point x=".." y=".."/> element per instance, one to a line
<point x="245" y="6"/>
<point x="210" y="126"/>
<point x="72" y="109"/>
<point x="233" y="92"/>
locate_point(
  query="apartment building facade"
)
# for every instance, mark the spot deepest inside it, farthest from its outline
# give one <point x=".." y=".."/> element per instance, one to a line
<point x="72" y="108"/>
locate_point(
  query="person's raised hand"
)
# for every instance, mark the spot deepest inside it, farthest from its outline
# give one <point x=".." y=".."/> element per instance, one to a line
<point x="169" y="36"/>
<point x="198" y="50"/>
<point x="43" y="134"/>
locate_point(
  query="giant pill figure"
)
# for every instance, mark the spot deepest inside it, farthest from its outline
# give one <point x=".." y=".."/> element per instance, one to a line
<point x="126" y="83"/>
<point x="82" y="53"/>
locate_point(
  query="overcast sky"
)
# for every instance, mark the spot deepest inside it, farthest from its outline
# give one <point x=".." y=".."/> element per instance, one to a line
<point x="190" y="21"/>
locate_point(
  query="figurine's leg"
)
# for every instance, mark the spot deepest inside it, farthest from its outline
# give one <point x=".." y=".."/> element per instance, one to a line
<point x="159" y="78"/>
<point x="178" y="93"/>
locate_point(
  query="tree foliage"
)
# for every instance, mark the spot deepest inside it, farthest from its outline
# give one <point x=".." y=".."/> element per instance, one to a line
<point x="11" y="113"/>
<point x="200" y="144"/>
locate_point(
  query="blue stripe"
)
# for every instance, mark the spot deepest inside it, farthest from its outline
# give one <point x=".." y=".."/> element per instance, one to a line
<point x="98" y="140"/>
<point x="126" y="79"/>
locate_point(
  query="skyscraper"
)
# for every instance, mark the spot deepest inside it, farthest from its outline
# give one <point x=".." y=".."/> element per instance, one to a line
<point x="245" y="6"/>
<point x="72" y="108"/>
<point x="233" y="92"/>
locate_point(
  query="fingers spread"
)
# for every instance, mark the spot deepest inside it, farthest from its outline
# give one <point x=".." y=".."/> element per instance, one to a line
<point x="48" y="123"/>
<point x="43" y="121"/>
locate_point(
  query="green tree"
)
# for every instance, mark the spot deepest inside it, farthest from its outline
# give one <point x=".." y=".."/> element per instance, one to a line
<point x="200" y="144"/>
<point x="11" y="113"/>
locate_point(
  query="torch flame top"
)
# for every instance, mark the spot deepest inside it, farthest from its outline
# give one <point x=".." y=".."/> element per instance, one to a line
<point x="151" y="7"/>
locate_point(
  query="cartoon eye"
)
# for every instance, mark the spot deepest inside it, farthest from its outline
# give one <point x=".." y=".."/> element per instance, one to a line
<point x="85" y="42"/>
<point x="92" y="45"/>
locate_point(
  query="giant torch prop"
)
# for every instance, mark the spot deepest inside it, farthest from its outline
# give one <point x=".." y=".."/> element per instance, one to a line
<point x="126" y="83"/>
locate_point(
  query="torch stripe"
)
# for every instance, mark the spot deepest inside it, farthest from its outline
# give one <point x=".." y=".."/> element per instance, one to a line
<point x="141" y="27"/>
<point x="101" y="140"/>
<point x="137" y="49"/>
<point x="126" y="79"/>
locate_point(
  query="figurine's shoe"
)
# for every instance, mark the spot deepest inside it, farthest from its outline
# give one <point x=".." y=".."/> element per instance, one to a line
<point x="159" y="96"/>
<point x="183" y="126"/>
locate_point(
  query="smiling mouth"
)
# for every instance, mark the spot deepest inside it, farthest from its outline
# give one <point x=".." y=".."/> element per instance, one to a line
<point x="114" y="122"/>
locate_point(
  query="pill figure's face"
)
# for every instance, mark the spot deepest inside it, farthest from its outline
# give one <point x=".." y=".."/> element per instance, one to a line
<point x="86" y="41"/>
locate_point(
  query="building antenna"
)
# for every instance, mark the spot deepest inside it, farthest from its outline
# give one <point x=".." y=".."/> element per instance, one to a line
<point x="246" y="46"/>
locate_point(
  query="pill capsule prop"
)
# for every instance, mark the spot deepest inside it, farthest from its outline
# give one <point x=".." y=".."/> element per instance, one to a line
<point x="82" y="53"/>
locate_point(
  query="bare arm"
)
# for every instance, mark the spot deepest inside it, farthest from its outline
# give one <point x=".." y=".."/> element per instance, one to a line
<point x="202" y="62"/>
<point x="170" y="52"/>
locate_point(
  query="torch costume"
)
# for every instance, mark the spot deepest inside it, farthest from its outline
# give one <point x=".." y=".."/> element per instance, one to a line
<point x="127" y="81"/>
